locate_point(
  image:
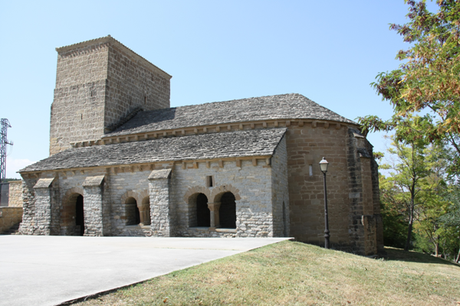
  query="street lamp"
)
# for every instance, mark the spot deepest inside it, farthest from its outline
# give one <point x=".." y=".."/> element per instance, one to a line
<point x="323" y="165"/>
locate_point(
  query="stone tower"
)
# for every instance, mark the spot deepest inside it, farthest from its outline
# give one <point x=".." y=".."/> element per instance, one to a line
<point x="99" y="83"/>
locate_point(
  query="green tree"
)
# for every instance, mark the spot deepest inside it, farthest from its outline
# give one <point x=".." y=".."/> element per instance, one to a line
<point x="393" y="210"/>
<point x="451" y="222"/>
<point x="428" y="79"/>
<point x="413" y="188"/>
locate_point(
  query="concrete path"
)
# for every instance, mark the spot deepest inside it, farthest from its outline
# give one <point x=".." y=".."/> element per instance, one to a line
<point x="49" y="270"/>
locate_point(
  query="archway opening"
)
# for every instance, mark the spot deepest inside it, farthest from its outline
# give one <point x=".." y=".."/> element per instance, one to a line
<point x="132" y="212"/>
<point x="227" y="211"/>
<point x="79" y="216"/>
<point x="203" y="215"/>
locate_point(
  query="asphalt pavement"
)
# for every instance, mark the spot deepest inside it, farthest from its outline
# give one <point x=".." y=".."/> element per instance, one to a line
<point x="50" y="270"/>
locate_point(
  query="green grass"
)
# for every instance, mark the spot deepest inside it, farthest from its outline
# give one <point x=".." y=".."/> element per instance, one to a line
<point x="293" y="273"/>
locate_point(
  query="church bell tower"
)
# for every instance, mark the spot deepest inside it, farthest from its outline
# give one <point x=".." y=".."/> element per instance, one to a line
<point x="98" y="83"/>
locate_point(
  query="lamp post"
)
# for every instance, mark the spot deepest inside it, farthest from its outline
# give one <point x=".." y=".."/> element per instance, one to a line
<point x="323" y="165"/>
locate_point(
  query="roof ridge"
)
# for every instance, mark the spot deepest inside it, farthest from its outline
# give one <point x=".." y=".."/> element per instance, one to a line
<point x="241" y="99"/>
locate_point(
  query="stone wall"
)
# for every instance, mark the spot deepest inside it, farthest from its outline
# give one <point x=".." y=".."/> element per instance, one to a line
<point x="353" y="208"/>
<point x="9" y="216"/>
<point x="131" y="85"/>
<point x="28" y="225"/>
<point x="15" y="194"/>
<point x="77" y="111"/>
<point x="306" y="145"/>
<point x="106" y="209"/>
<point x="280" y="191"/>
<point x="98" y="83"/>
<point x="249" y="184"/>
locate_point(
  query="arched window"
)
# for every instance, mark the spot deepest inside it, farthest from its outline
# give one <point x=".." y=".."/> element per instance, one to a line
<point x="132" y="212"/>
<point x="227" y="211"/>
<point x="203" y="216"/>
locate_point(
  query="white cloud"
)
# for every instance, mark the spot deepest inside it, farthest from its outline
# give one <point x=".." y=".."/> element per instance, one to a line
<point x="14" y="165"/>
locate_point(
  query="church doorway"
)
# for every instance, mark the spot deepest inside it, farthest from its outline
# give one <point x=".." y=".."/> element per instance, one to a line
<point x="203" y="215"/>
<point x="227" y="211"/>
<point x="132" y="212"/>
<point x="79" y="216"/>
<point x="72" y="213"/>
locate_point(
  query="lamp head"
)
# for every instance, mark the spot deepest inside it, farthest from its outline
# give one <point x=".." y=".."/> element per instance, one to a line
<point x="323" y="165"/>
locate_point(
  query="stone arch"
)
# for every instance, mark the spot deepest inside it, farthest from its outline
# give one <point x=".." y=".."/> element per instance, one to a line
<point x="195" y="190"/>
<point x="227" y="210"/>
<point x="224" y="198"/>
<point x="130" y="200"/>
<point x="129" y="194"/>
<point x="200" y="214"/>
<point x="72" y="212"/>
<point x="217" y="193"/>
<point x="190" y="198"/>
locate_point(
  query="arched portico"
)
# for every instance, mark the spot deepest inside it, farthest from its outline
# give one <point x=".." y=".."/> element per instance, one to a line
<point x="131" y="211"/>
<point x="199" y="214"/>
<point x="227" y="210"/>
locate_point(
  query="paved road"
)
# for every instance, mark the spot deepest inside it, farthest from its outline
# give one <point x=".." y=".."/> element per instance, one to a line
<point x="49" y="270"/>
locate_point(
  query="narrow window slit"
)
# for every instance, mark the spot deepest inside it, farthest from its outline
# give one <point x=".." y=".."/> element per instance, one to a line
<point x="209" y="181"/>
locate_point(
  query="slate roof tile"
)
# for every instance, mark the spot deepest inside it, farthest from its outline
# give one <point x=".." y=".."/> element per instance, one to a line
<point x="205" y="146"/>
<point x="287" y="106"/>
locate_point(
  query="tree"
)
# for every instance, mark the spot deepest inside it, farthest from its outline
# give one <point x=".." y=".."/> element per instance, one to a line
<point x="428" y="79"/>
<point x="393" y="210"/>
<point x="451" y="221"/>
<point x="413" y="189"/>
<point x="435" y="205"/>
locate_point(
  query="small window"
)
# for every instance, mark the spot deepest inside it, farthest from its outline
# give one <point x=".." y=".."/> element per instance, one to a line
<point x="310" y="170"/>
<point x="209" y="181"/>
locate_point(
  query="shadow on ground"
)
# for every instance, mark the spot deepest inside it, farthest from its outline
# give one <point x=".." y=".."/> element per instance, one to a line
<point x="409" y="256"/>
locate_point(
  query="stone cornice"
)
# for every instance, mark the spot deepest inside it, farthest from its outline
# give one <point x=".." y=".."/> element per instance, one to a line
<point x="263" y="160"/>
<point x="197" y="130"/>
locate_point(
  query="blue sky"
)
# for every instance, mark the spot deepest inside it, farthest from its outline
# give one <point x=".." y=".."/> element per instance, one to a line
<point x="215" y="50"/>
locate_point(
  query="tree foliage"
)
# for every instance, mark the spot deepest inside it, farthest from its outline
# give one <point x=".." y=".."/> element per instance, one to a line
<point x="425" y="90"/>
<point x="393" y="210"/>
<point x="420" y="206"/>
<point x="414" y="184"/>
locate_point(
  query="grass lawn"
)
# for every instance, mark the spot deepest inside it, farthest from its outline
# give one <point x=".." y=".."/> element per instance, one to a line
<point x="293" y="273"/>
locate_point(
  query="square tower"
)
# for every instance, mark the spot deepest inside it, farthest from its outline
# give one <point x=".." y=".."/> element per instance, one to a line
<point x="99" y="83"/>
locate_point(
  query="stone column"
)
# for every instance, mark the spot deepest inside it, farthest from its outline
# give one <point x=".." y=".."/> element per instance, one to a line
<point x="93" y="207"/>
<point x="45" y="212"/>
<point x="160" y="206"/>
<point x="214" y="210"/>
<point x="144" y="215"/>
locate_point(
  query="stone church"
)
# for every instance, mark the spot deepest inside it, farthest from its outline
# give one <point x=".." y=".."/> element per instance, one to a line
<point x="124" y="163"/>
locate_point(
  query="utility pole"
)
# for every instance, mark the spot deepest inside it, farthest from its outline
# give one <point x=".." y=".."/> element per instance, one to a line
<point x="3" y="142"/>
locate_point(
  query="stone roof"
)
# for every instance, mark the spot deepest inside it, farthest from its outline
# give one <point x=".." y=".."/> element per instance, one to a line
<point x="287" y="106"/>
<point x="246" y="143"/>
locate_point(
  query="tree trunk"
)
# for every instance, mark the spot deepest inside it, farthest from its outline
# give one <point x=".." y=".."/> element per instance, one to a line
<point x="457" y="260"/>
<point x="411" y="222"/>
<point x="409" y="236"/>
